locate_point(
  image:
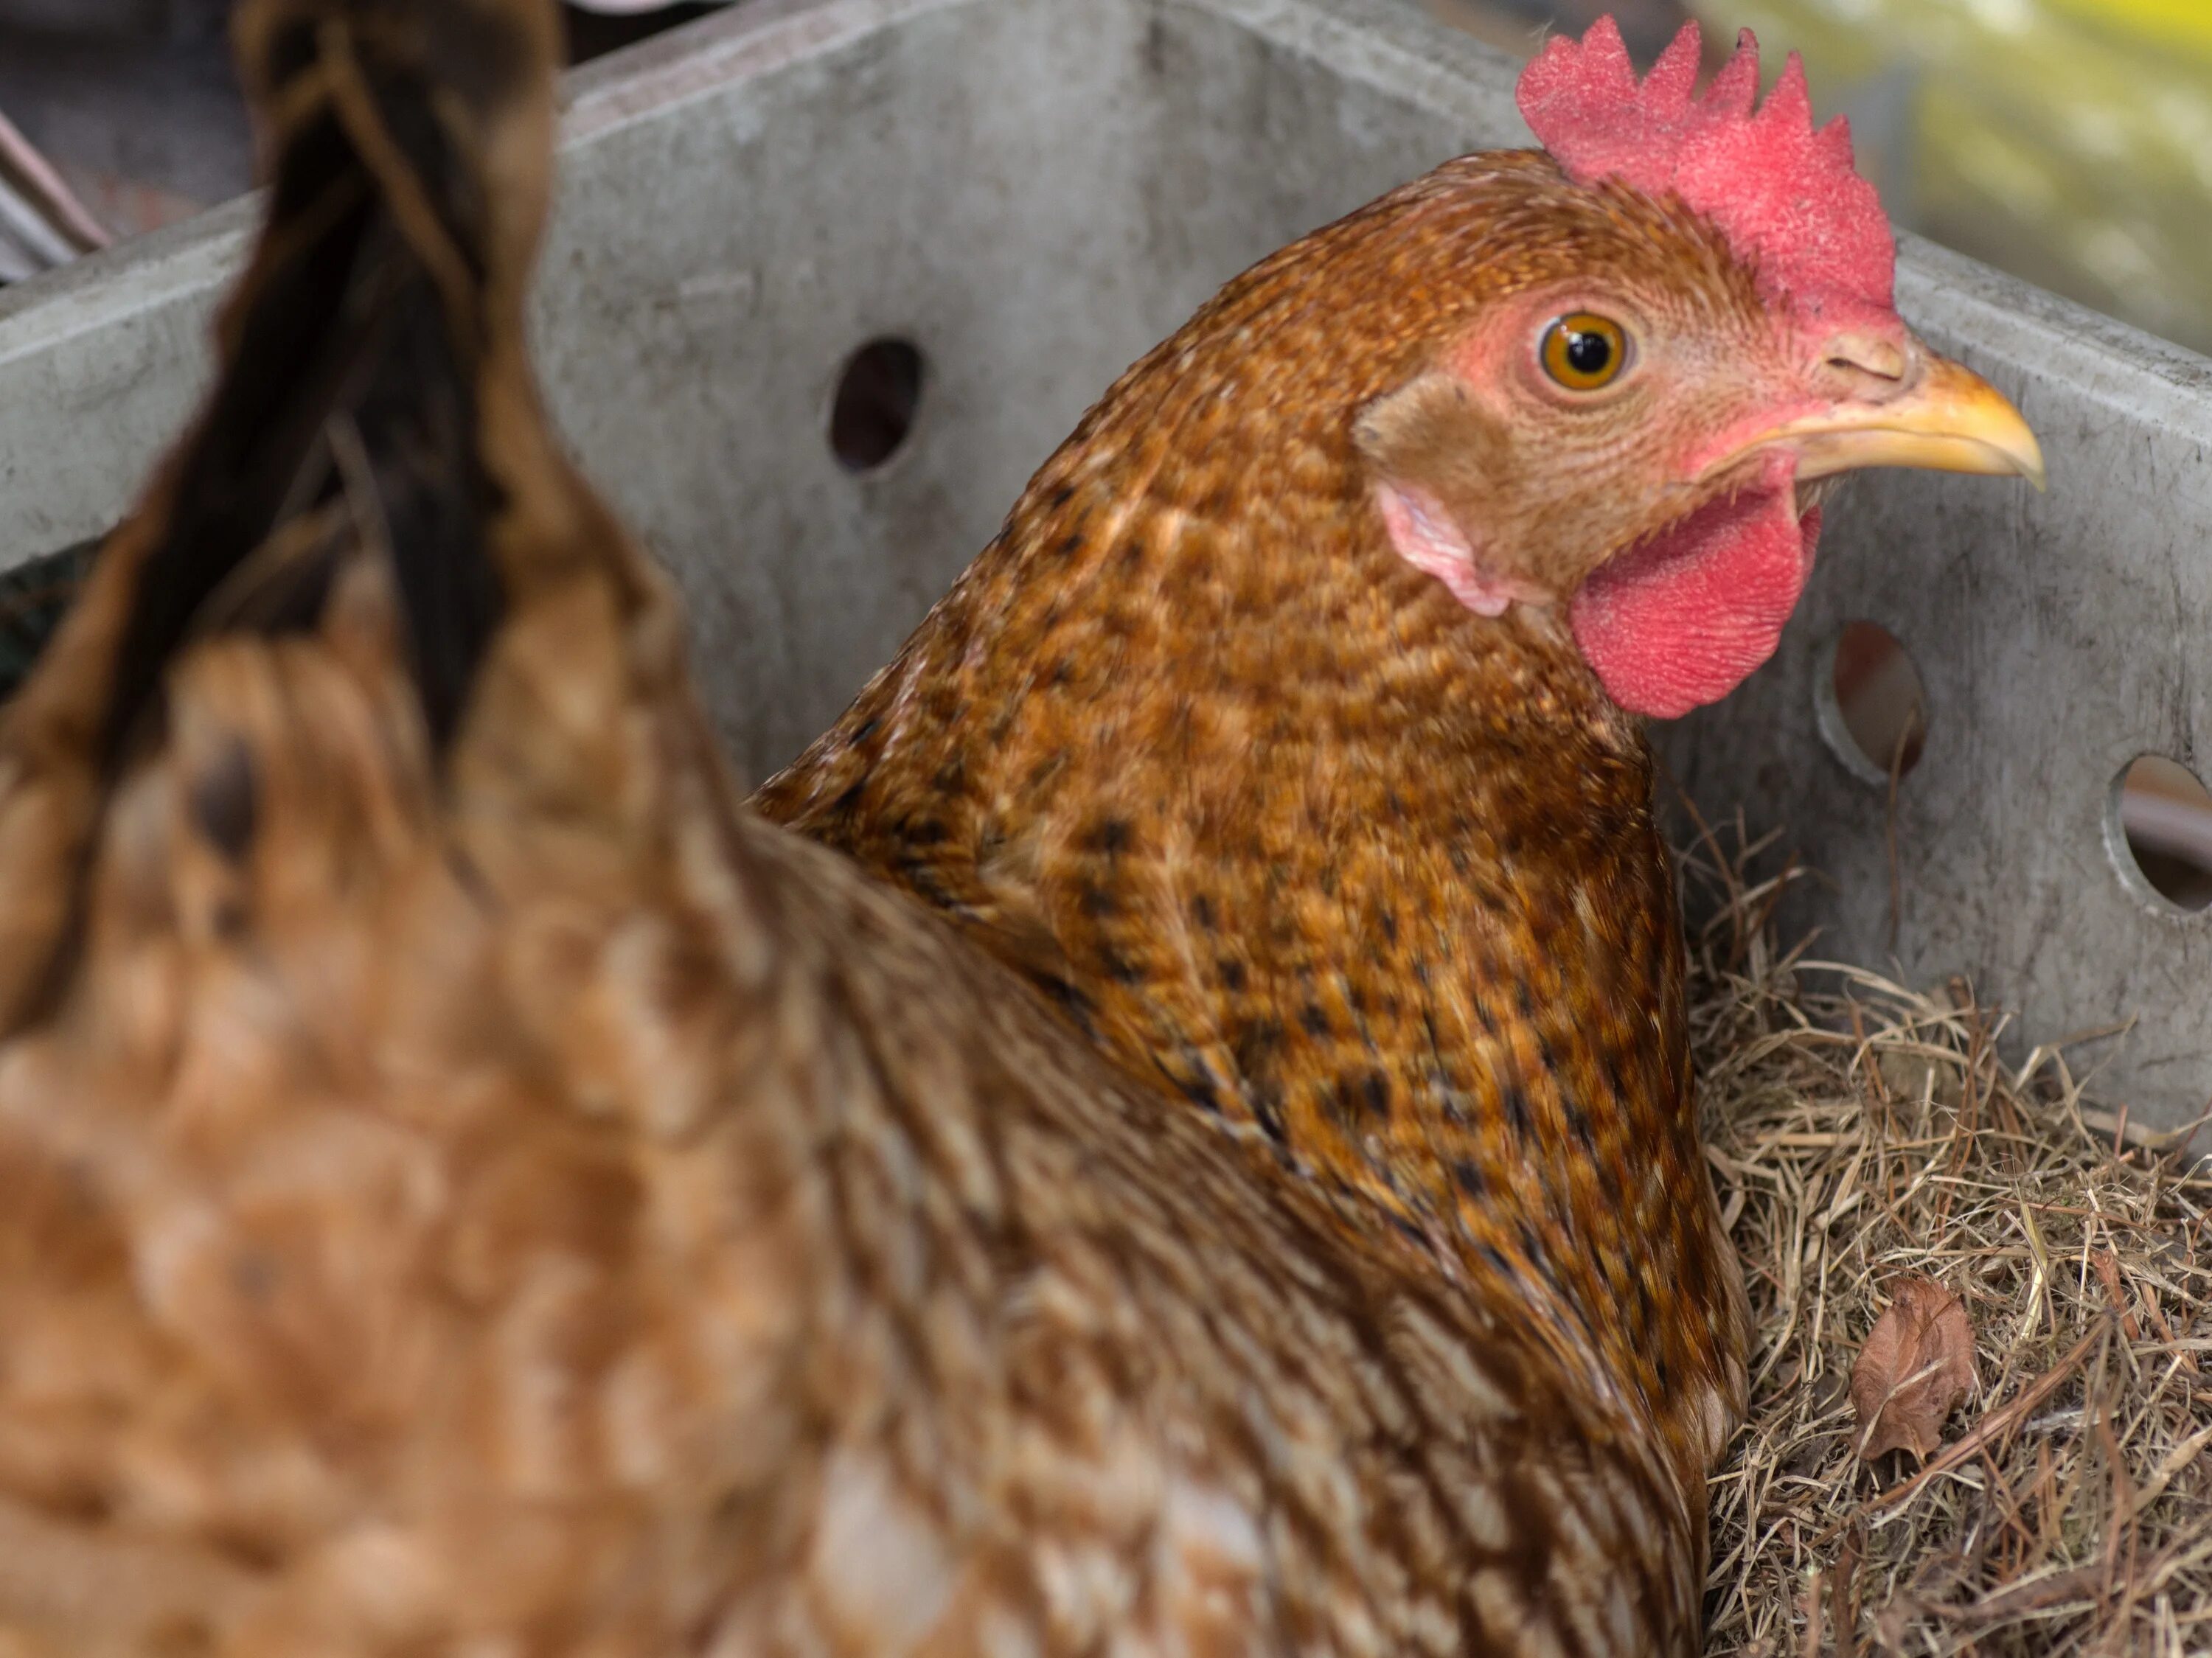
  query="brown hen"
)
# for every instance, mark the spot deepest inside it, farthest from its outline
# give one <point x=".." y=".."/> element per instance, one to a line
<point x="472" y="1190"/>
<point x="1288" y="733"/>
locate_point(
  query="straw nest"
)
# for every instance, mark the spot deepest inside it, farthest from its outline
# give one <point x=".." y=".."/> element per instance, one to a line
<point x="1862" y="1132"/>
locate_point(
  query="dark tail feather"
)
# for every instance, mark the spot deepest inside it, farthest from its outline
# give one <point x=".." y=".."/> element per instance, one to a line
<point x="410" y="141"/>
<point x="352" y="349"/>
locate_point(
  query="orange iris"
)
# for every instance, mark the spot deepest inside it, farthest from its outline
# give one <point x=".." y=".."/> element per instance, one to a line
<point x="1585" y="352"/>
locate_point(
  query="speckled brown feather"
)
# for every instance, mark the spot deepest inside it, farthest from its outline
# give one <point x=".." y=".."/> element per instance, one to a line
<point x="1368" y="874"/>
<point x="473" y="1189"/>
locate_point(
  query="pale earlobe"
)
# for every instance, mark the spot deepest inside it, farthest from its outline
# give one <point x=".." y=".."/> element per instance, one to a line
<point x="1426" y="538"/>
<point x="1431" y="429"/>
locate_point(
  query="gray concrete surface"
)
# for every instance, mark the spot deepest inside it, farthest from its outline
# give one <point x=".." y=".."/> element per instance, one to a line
<point x="1033" y="191"/>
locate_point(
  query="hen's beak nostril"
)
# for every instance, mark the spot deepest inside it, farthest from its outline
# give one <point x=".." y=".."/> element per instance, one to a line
<point x="1878" y="358"/>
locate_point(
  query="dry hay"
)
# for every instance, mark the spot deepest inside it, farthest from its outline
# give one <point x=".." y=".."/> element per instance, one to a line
<point x="1859" y="1132"/>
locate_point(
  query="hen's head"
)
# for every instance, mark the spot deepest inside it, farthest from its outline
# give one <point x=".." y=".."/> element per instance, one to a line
<point x="1682" y="327"/>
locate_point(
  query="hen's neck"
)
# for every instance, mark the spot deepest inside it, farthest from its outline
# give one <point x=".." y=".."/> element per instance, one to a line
<point x="1373" y="878"/>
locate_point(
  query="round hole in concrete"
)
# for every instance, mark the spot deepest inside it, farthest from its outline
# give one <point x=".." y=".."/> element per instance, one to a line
<point x="877" y="396"/>
<point x="2160" y="826"/>
<point x="1870" y="703"/>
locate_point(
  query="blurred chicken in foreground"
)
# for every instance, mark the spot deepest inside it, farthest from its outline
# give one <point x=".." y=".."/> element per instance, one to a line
<point x="472" y="1190"/>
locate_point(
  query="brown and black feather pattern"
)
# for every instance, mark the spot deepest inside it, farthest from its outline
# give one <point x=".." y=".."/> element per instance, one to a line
<point x="1372" y="879"/>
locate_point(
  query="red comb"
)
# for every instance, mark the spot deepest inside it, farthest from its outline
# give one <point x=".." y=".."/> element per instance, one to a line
<point x="1787" y="197"/>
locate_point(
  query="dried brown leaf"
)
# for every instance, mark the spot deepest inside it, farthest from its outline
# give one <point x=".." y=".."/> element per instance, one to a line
<point x="1917" y="1363"/>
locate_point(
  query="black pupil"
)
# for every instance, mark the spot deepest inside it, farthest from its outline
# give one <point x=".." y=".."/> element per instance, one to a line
<point x="1587" y="352"/>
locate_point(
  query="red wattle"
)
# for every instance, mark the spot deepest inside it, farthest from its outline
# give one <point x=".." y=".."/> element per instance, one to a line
<point x="1681" y="620"/>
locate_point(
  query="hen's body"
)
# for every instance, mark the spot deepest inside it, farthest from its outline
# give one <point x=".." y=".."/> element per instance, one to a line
<point x="1294" y="830"/>
<point x="472" y="1188"/>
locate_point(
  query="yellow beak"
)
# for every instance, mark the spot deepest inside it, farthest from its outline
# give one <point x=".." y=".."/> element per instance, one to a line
<point x="1953" y="421"/>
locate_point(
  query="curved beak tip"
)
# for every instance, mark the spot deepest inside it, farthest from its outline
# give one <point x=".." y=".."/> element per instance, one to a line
<point x="1951" y="421"/>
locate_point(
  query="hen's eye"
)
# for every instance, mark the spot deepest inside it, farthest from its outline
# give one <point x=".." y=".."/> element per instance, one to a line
<point x="1583" y="351"/>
